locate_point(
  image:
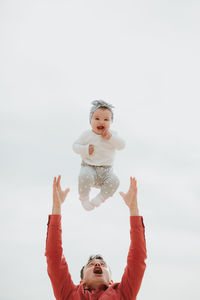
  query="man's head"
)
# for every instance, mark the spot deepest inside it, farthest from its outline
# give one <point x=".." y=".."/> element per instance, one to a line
<point x="96" y="273"/>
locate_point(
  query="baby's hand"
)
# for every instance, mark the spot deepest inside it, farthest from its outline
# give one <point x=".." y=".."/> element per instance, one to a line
<point x="91" y="149"/>
<point x="106" y="134"/>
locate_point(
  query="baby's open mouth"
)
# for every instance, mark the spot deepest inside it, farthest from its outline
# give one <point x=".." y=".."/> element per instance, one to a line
<point x="97" y="270"/>
<point x="100" y="127"/>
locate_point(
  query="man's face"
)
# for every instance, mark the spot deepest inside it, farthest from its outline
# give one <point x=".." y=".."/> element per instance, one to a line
<point x="101" y="120"/>
<point x="96" y="273"/>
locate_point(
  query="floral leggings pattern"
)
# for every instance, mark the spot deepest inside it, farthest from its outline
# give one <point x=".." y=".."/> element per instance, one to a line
<point x="99" y="177"/>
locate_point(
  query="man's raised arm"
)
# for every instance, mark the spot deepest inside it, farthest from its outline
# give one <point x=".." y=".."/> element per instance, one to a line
<point x="134" y="271"/>
<point x="56" y="264"/>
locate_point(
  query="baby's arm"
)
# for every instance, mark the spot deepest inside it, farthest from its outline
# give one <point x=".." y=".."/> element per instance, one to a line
<point x="81" y="145"/>
<point x="117" y="141"/>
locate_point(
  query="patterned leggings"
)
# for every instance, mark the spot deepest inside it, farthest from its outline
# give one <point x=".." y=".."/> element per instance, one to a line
<point x="100" y="177"/>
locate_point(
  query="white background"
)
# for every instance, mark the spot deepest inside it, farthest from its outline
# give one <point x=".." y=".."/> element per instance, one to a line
<point x="141" y="56"/>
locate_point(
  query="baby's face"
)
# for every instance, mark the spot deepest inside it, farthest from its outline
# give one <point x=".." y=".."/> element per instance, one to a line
<point x="101" y="120"/>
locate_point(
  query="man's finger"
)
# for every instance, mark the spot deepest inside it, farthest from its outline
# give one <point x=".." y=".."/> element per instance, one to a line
<point x="66" y="192"/>
<point x="57" y="194"/>
<point x="59" y="177"/>
<point x="58" y="182"/>
<point x="122" y="194"/>
<point x="131" y="185"/>
<point x="132" y="180"/>
<point x="54" y="188"/>
<point x="134" y="184"/>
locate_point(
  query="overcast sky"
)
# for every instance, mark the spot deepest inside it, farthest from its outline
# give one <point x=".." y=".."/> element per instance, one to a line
<point x="141" y="56"/>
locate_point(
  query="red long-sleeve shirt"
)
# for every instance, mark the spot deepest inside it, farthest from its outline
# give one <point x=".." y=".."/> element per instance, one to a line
<point x="63" y="286"/>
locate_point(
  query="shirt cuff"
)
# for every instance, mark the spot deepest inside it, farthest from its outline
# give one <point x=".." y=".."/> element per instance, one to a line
<point x="136" y="222"/>
<point x="118" y="142"/>
<point x="54" y="220"/>
<point x="85" y="150"/>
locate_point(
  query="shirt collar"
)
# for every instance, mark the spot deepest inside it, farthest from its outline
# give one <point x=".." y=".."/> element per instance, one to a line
<point x="101" y="287"/>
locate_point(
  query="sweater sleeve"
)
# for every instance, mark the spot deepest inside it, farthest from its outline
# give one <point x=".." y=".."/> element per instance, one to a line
<point x="80" y="146"/>
<point x="57" y="267"/>
<point x="117" y="141"/>
<point x="134" y="271"/>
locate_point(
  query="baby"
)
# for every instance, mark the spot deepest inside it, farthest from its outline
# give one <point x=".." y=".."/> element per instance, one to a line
<point x="97" y="150"/>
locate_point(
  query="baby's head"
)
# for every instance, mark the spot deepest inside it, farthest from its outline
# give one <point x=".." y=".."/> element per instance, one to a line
<point x="101" y="116"/>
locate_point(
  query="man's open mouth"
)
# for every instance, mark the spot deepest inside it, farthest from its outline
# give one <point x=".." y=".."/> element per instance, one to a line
<point x="100" y="127"/>
<point x="97" y="270"/>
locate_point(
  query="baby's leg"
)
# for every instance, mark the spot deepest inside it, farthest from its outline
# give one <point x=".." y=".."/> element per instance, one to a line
<point x="109" y="186"/>
<point x="85" y="182"/>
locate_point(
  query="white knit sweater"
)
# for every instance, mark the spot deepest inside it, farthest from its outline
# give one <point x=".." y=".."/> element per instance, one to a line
<point x="104" y="150"/>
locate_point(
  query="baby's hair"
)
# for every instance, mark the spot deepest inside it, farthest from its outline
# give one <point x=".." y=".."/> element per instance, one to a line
<point x="102" y="105"/>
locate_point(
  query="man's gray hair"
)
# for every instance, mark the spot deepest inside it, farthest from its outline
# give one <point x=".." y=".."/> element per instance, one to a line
<point x="100" y="104"/>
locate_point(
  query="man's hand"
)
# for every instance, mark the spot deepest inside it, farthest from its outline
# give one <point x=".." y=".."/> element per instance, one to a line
<point x="130" y="198"/>
<point x="106" y="134"/>
<point x="58" y="196"/>
<point x="91" y="149"/>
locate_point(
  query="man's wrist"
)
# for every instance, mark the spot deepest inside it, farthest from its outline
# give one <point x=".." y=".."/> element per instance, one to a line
<point x="134" y="212"/>
<point x="56" y="209"/>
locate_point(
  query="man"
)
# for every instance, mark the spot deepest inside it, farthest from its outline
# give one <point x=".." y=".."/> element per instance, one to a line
<point x="96" y="282"/>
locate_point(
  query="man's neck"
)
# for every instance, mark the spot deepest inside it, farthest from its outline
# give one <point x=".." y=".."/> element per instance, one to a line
<point x="93" y="288"/>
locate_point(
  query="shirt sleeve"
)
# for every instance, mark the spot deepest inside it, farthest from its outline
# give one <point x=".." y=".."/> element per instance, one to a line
<point x="117" y="141"/>
<point x="134" y="271"/>
<point x="80" y="146"/>
<point x="57" y="267"/>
